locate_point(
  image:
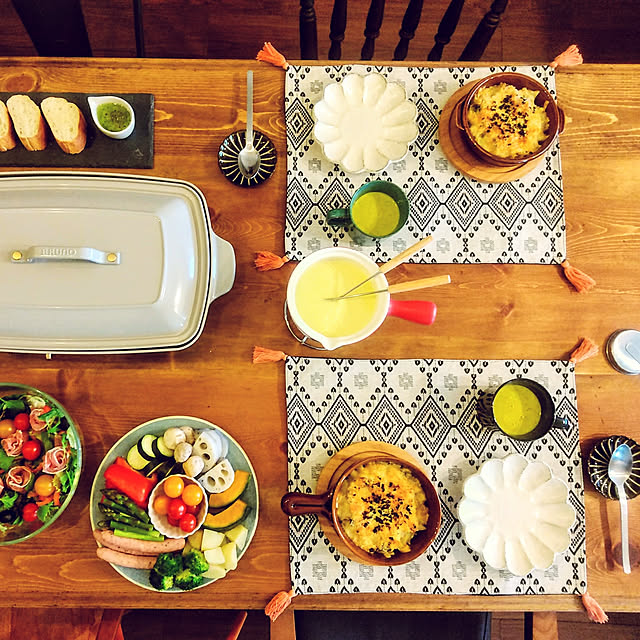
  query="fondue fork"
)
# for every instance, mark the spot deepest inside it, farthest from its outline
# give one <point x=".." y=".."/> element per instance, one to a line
<point x="410" y="285"/>
<point x="393" y="263"/>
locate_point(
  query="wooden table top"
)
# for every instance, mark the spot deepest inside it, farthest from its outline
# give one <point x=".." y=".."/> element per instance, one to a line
<point x="489" y="311"/>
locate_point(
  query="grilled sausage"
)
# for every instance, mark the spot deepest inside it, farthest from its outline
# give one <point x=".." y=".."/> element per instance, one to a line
<point x="125" y="559"/>
<point x="136" y="547"/>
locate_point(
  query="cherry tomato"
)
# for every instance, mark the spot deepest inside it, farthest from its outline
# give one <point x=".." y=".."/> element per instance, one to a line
<point x="161" y="504"/>
<point x="31" y="449"/>
<point x="193" y="508"/>
<point x="176" y="509"/>
<point x="7" y="428"/>
<point x="172" y="522"/>
<point x="30" y="512"/>
<point x="188" y="523"/>
<point x="43" y="485"/>
<point x="192" y="495"/>
<point x="21" y="421"/>
<point x="173" y="486"/>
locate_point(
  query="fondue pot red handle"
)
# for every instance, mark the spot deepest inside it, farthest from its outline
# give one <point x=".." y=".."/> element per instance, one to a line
<point x="421" y="311"/>
<point x="298" y="504"/>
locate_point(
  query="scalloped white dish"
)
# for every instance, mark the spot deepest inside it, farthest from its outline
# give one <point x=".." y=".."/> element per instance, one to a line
<point x="516" y="514"/>
<point x="364" y="122"/>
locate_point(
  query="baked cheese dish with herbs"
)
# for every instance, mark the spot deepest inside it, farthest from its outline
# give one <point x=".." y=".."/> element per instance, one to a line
<point x="381" y="506"/>
<point x="507" y="122"/>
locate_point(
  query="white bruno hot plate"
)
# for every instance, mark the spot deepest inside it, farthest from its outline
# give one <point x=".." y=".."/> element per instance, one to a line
<point x="106" y="263"/>
<point x="236" y="456"/>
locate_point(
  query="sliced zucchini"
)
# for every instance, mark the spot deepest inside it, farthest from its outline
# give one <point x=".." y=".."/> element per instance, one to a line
<point x="162" y="467"/>
<point x="160" y="449"/>
<point x="134" y="458"/>
<point x="145" y="446"/>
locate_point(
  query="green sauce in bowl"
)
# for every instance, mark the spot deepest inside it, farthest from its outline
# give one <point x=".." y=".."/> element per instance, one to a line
<point x="113" y="116"/>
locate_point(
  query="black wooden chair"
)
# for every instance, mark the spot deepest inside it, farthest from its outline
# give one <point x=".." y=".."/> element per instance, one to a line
<point x="473" y="51"/>
<point x="57" y="27"/>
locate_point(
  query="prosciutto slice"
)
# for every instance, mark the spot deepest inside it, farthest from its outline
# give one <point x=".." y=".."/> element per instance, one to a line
<point x="55" y="460"/>
<point x="34" y="418"/>
<point x="18" y="478"/>
<point x="12" y="444"/>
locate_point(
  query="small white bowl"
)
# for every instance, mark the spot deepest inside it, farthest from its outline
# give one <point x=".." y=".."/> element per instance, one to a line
<point x="515" y="513"/>
<point x="161" y="523"/>
<point x="96" y="101"/>
<point x="364" y="122"/>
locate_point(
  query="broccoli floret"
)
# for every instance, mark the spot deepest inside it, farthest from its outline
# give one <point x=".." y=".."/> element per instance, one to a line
<point x="187" y="580"/>
<point x="168" y="564"/>
<point x="195" y="561"/>
<point x="160" y="582"/>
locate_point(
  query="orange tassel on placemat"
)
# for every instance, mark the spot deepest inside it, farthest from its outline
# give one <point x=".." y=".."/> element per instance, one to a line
<point x="594" y="611"/>
<point x="586" y="349"/>
<point x="278" y="604"/>
<point x="267" y="261"/>
<point x="262" y="355"/>
<point x="579" y="279"/>
<point x="568" y="58"/>
<point x="270" y="54"/>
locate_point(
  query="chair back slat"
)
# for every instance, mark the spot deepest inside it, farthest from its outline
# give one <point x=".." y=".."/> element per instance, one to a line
<point x="447" y="26"/>
<point x="308" y="31"/>
<point x="372" y="28"/>
<point x="481" y="36"/>
<point x="338" y="27"/>
<point x="407" y="31"/>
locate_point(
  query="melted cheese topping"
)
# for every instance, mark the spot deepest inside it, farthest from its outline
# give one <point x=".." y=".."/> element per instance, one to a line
<point x="506" y="121"/>
<point x="381" y="506"/>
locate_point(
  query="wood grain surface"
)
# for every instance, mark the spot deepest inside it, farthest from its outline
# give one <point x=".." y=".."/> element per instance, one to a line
<point x="489" y="311"/>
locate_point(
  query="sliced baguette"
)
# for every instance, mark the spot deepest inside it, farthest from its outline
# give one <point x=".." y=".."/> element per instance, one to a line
<point x="8" y="138"/>
<point x="28" y="122"/>
<point x="67" y="124"/>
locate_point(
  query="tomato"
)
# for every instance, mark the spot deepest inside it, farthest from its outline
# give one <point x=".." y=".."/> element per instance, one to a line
<point x="31" y="449"/>
<point x="7" y="428"/>
<point x="43" y="485"/>
<point x="161" y="504"/>
<point x="176" y="509"/>
<point x="188" y="523"/>
<point x="173" y="486"/>
<point x="192" y="495"/>
<point x="193" y="508"/>
<point x="21" y="421"/>
<point x="172" y="522"/>
<point x="30" y="512"/>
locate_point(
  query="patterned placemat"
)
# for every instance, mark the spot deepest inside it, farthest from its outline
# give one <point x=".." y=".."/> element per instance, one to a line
<point x="472" y="222"/>
<point x="428" y="408"/>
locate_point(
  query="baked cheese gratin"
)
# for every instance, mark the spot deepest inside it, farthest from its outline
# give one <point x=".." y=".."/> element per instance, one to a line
<point x="381" y="506"/>
<point x="506" y="121"/>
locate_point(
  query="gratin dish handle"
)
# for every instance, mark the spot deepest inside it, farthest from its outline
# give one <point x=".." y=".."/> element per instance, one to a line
<point x="561" y="120"/>
<point x="223" y="266"/>
<point x="457" y="114"/>
<point x="298" y="504"/>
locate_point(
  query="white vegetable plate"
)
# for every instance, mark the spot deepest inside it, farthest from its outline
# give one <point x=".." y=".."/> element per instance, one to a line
<point x="515" y="513"/>
<point x="364" y="122"/>
<point x="157" y="427"/>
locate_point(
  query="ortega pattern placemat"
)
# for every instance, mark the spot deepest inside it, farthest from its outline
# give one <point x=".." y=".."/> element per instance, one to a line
<point x="471" y="222"/>
<point x="428" y="408"/>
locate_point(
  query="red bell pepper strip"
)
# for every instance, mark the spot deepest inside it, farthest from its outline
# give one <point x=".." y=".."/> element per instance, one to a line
<point x="122" y="462"/>
<point x="130" y="482"/>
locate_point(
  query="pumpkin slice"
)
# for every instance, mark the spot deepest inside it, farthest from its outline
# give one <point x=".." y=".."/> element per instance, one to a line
<point x="230" y="495"/>
<point x="228" y="518"/>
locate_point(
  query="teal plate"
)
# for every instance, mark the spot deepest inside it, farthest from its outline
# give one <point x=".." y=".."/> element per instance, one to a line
<point x="236" y="456"/>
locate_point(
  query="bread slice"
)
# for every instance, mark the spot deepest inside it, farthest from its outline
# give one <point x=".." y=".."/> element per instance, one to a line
<point x="28" y="122"/>
<point x="8" y="138"/>
<point x="67" y="124"/>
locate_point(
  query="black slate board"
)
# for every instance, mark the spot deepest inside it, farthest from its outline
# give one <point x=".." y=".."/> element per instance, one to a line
<point x="135" y="152"/>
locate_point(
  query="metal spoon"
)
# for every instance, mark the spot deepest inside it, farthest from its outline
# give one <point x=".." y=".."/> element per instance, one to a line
<point x="619" y="470"/>
<point x="249" y="158"/>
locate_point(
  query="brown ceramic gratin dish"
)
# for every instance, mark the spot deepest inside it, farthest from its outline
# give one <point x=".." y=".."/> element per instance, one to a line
<point x="325" y="504"/>
<point x="519" y="81"/>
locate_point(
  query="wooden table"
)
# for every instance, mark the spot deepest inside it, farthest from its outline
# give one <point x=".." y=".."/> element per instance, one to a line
<point x="490" y="311"/>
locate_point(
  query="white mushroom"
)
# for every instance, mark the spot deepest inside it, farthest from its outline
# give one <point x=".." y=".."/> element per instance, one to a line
<point x="173" y="437"/>
<point x="182" y="452"/>
<point x="219" y="478"/>
<point x="190" y="434"/>
<point x="193" y="466"/>
<point x="209" y="447"/>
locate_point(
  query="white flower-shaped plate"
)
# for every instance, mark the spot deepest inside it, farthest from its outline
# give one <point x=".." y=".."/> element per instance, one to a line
<point x="515" y="514"/>
<point x="364" y="122"/>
